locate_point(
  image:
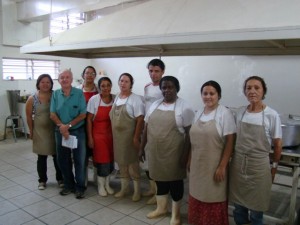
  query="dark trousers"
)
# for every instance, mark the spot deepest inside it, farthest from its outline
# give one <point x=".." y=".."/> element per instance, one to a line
<point x="66" y="157"/>
<point x="42" y="168"/>
<point x="175" y="188"/>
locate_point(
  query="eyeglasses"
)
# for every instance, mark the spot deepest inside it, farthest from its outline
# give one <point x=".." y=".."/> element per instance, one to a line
<point x="87" y="73"/>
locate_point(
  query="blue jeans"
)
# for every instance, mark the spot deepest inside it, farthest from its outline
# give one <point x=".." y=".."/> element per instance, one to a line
<point x="240" y="214"/>
<point x="65" y="162"/>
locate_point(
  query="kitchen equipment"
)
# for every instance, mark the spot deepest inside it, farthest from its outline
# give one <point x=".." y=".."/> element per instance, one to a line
<point x="290" y="125"/>
<point x="290" y="159"/>
<point x="16" y="120"/>
<point x="13" y="98"/>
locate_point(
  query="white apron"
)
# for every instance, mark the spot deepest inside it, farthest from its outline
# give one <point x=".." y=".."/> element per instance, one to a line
<point x="250" y="177"/>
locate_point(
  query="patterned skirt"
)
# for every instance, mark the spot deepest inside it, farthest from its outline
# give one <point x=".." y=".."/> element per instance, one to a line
<point x="202" y="213"/>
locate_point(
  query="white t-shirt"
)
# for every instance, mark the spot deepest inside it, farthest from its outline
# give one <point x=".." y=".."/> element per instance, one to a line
<point x="224" y="120"/>
<point x="134" y="105"/>
<point x="151" y="94"/>
<point x="271" y="120"/>
<point x="93" y="104"/>
<point x="184" y="113"/>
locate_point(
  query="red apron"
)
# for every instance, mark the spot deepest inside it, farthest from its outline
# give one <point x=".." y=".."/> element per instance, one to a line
<point x="102" y="135"/>
<point x="88" y="95"/>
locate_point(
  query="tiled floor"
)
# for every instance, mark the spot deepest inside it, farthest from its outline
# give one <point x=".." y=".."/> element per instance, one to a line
<point x="22" y="203"/>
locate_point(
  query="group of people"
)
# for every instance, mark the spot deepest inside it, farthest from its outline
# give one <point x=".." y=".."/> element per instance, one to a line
<point x="225" y="157"/>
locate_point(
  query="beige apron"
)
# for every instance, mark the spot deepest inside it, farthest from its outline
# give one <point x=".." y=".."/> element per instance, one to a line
<point x="165" y="145"/>
<point x="123" y="128"/>
<point x="43" y="131"/>
<point x="207" y="151"/>
<point x="250" y="176"/>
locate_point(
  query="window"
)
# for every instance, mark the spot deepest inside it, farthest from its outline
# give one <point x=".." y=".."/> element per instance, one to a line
<point x="29" y="69"/>
<point x="69" y="21"/>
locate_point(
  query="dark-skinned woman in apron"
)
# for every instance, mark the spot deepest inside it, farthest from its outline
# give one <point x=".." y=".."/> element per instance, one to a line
<point x="165" y="137"/>
<point x="89" y="89"/>
<point x="251" y="175"/>
<point x="127" y="119"/>
<point x="99" y="134"/>
<point x="212" y="138"/>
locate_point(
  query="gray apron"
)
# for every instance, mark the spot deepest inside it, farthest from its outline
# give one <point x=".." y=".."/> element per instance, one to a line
<point x="43" y="131"/>
<point x="250" y="175"/>
<point x="165" y="145"/>
<point x="123" y="128"/>
<point x="207" y="150"/>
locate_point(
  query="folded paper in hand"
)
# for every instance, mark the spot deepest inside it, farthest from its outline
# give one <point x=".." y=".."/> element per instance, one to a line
<point x="71" y="142"/>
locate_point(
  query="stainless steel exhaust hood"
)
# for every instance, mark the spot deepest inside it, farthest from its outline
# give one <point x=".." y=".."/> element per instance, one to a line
<point x="183" y="27"/>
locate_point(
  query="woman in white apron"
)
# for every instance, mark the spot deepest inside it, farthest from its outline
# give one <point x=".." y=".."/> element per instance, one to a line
<point x="99" y="134"/>
<point x="127" y="119"/>
<point x="165" y="135"/>
<point x="212" y="138"/>
<point x="250" y="174"/>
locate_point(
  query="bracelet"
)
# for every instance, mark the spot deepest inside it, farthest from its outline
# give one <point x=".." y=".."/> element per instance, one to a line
<point x="274" y="165"/>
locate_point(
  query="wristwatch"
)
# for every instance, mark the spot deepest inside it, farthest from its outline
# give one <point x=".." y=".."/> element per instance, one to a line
<point x="275" y="165"/>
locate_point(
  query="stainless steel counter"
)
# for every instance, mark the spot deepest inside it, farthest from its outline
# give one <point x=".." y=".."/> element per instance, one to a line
<point x="290" y="157"/>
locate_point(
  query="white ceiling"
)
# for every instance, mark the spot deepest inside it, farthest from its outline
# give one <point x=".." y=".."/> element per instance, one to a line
<point x="183" y="27"/>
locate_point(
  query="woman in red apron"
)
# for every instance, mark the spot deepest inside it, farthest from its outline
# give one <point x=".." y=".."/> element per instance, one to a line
<point x="250" y="176"/>
<point x="212" y="138"/>
<point x="89" y="89"/>
<point x="99" y="134"/>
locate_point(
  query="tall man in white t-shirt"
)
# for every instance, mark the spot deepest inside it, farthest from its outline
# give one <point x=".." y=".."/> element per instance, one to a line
<point x="152" y="92"/>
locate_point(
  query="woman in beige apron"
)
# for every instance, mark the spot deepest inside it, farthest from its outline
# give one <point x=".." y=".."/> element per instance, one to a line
<point x="165" y="145"/>
<point x="212" y="136"/>
<point x="250" y="174"/>
<point x="41" y="129"/>
<point x="127" y="128"/>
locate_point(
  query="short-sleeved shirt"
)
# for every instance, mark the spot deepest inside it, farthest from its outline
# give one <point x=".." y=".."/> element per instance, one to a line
<point x="95" y="102"/>
<point x="225" y="121"/>
<point x="184" y="113"/>
<point x="69" y="107"/>
<point x="134" y="105"/>
<point x="151" y="94"/>
<point x="272" y="122"/>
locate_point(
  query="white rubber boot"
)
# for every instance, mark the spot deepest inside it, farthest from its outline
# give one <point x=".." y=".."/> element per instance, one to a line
<point x="152" y="189"/>
<point x="161" y="209"/>
<point x="137" y="191"/>
<point x="175" y="218"/>
<point x="124" y="188"/>
<point x="101" y="186"/>
<point x="152" y="201"/>
<point x="107" y="186"/>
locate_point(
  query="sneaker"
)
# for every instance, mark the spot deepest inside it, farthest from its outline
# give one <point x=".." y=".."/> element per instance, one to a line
<point x="79" y="195"/>
<point x="42" y="186"/>
<point x="65" y="192"/>
<point x="60" y="183"/>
